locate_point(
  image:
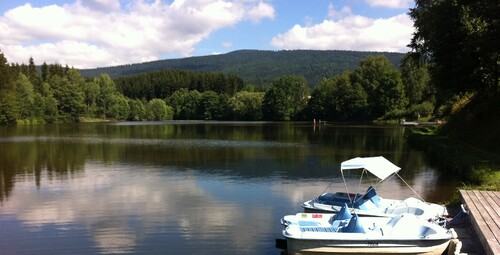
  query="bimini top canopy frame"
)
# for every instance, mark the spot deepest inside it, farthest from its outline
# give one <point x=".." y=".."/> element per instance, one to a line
<point x="378" y="166"/>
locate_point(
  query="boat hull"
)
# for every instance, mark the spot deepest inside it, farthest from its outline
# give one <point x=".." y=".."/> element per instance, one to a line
<point x="314" y="246"/>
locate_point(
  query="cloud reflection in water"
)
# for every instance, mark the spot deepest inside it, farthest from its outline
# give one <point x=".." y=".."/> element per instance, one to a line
<point x="121" y="207"/>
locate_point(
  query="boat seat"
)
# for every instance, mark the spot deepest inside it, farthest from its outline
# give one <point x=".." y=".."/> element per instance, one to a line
<point x="371" y="195"/>
<point x="365" y="204"/>
<point x="403" y="209"/>
<point x="401" y="225"/>
<point x="343" y="214"/>
<point x="354" y="226"/>
<point x="341" y="219"/>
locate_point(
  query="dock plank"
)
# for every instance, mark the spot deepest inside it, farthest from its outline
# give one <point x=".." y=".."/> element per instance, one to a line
<point x="484" y="211"/>
<point x="493" y="199"/>
<point x="487" y="214"/>
<point x="494" y="212"/>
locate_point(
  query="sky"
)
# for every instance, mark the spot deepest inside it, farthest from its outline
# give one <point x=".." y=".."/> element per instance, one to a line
<point x="99" y="33"/>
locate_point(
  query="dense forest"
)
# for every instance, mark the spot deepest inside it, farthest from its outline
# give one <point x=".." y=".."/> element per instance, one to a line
<point x="161" y="84"/>
<point x="256" y="67"/>
<point x="61" y="94"/>
<point x="374" y="89"/>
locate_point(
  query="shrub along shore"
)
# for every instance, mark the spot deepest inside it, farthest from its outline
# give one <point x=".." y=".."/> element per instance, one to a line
<point x="477" y="167"/>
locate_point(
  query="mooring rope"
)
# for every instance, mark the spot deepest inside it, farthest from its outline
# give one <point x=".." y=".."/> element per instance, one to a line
<point x="410" y="187"/>
<point x="329" y="185"/>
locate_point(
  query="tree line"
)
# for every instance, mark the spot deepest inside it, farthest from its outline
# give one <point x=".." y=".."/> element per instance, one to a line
<point x="162" y="84"/>
<point x="375" y="89"/>
<point x="61" y="94"/>
<point x="256" y="67"/>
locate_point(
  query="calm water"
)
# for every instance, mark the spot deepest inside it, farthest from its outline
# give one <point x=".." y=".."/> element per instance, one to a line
<point x="181" y="187"/>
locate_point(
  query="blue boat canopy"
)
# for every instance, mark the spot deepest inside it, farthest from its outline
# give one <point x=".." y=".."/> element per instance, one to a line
<point x="378" y="166"/>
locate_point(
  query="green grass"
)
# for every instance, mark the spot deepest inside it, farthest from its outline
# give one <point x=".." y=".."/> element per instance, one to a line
<point x="468" y="145"/>
<point x="492" y="182"/>
<point x="477" y="168"/>
<point x="90" y="120"/>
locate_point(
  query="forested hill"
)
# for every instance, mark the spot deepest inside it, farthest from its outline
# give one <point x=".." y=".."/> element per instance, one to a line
<point x="255" y="66"/>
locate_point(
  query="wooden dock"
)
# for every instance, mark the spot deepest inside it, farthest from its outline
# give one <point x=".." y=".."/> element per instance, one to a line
<point x="484" y="214"/>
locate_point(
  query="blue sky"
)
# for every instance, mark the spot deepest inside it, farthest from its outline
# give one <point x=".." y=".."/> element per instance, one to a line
<point x="94" y="33"/>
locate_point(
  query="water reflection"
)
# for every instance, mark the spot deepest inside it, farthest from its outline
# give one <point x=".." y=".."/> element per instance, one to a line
<point x="172" y="188"/>
<point x="122" y="208"/>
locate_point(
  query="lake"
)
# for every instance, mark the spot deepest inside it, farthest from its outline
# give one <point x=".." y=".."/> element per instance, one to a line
<point x="183" y="187"/>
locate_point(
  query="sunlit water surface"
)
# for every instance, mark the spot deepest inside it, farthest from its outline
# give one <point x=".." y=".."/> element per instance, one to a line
<point x="182" y="187"/>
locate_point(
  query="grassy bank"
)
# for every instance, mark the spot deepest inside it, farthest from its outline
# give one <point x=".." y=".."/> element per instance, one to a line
<point x="476" y="167"/>
<point x="476" y="123"/>
<point x="468" y="145"/>
<point x="41" y="121"/>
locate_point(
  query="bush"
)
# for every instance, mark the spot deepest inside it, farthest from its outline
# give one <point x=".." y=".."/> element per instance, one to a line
<point x="395" y="114"/>
<point x="420" y="110"/>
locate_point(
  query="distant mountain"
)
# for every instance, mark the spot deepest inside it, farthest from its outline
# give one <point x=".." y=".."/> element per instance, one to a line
<point x="257" y="67"/>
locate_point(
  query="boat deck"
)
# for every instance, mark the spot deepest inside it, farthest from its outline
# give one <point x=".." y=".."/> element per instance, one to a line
<point x="484" y="212"/>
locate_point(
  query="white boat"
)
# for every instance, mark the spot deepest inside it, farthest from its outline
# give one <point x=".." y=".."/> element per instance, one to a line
<point x="369" y="203"/>
<point x="408" y="123"/>
<point x="342" y="233"/>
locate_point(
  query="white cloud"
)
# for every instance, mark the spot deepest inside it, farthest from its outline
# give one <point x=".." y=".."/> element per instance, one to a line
<point x="90" y="33"/>
<point x="262" y="10"/>
<point x="104" y="5"/>
<point x="396" y="4"/>
<point x="350" y="32"/>
<point x="338" y="14"/>
<point x="227" y="44"/>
